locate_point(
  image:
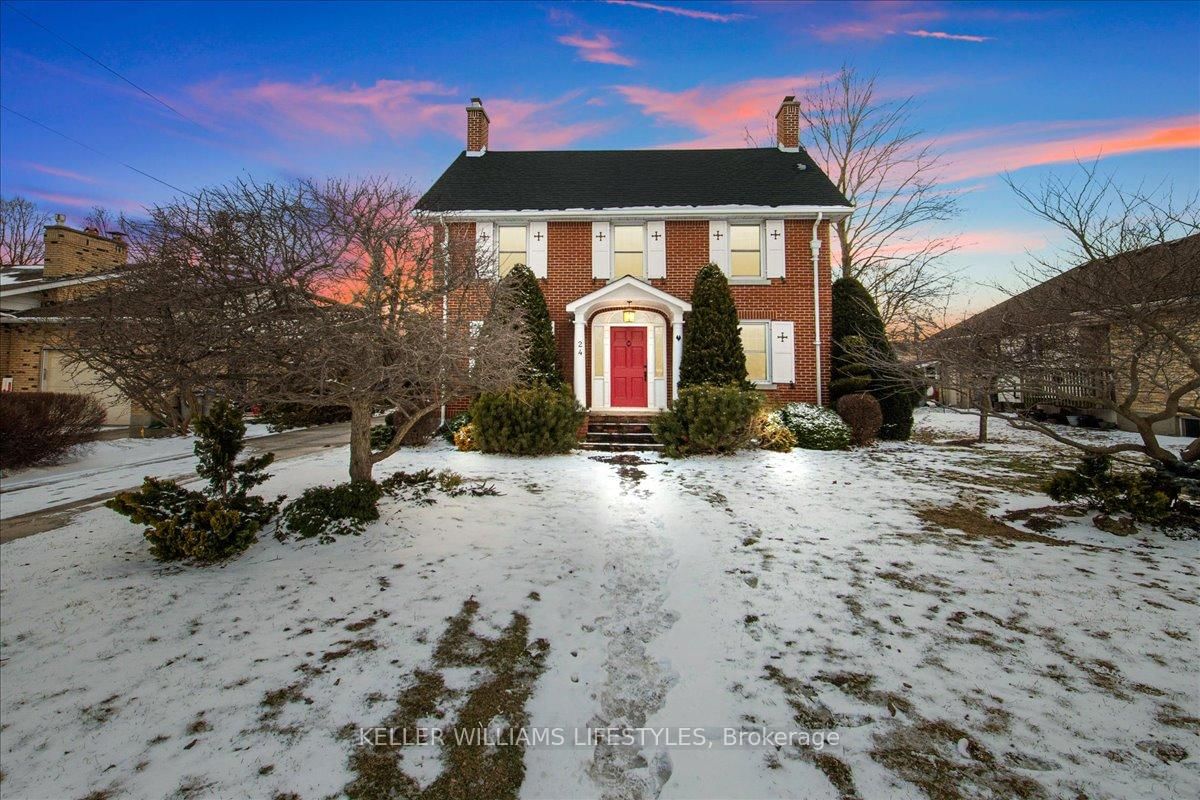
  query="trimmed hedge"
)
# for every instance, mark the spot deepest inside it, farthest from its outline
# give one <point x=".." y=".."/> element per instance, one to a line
<point x="527" y="420"/>
<point x="861" y="412"/>
<point x="39" y="427"/>
<point x="815" y="427"/>
<point x="708" y="419"/>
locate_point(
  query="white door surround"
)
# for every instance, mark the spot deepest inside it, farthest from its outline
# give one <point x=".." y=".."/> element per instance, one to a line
<point x="627" y="292"/>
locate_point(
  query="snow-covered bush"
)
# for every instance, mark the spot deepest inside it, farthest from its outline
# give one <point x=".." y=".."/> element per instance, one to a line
<point x="41" y="427"/>
<point x="815" y="427"/>
<point x="708" y="419"/>
<point x="527" y="420"/>
<point x="205" y="526"/>
<point x="329" y="511"/>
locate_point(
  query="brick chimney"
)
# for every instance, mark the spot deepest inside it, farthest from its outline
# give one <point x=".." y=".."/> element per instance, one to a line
<point x="787" y="125"/>
<point x="70" y="252"/>
<point x="477" y="128"/>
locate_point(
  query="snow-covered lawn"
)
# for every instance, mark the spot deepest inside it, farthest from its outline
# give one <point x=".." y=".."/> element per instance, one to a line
<point x="826" y="591"/>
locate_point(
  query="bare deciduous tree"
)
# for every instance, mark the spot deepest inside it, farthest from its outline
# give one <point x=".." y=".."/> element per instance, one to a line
<point x="1107" y="324"/>
<point x="22" y="232"/>
<point x="881" y="162"/>
<point x="322" y="294"/>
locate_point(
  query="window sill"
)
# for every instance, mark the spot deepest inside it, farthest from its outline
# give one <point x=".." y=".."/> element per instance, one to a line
<point x="749" y="281"/>
<point x="764" y="385"/>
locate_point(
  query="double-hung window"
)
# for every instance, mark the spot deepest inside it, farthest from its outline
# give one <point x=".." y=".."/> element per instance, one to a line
<point x="755" y="341"/>
<point x="512" y="248"/>
<point x="629" y="251"/>
<point x="745" y="251"/>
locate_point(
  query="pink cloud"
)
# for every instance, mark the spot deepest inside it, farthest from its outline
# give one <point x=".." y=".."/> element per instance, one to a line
<point x="600" y="49"/>
<point x="691" y="13"/>
<point x="398" y="109"/>
<point x="721" y="114"/>
<point x="58" y="172"/>
<point x="877" y="20"/>
<point x="84" y="202"/>
<point x="1172" y="133"/>
<point x="951" y="37"/>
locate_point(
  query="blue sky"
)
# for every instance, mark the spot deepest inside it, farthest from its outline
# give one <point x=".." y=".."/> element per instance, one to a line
<point x="284" y="89"/>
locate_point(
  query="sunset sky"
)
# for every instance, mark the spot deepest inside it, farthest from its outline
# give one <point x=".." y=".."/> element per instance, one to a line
<point x="278" y="89"/>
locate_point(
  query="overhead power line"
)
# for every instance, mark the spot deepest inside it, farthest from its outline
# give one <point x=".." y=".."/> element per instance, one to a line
<point x="106" y="67"/>
<point x="94" y="150"/>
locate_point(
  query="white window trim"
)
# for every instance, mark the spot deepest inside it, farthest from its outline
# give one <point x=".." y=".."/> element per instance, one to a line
<point x="612" y="250"/>
<point x="761" y="278"/>
<point x="767" y="383"/>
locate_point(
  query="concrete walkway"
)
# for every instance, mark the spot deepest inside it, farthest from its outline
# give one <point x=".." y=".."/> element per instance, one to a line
<point x="289" y="444"/>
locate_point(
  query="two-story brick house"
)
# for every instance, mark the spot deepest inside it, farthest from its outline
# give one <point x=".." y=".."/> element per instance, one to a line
<point x="616" y="238"/>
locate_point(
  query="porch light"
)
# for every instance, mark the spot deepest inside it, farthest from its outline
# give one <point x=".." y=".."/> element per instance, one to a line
<point x="628" y="314"/>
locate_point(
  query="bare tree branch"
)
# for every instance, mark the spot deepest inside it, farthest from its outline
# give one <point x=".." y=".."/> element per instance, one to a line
<point x="22" y="232"/>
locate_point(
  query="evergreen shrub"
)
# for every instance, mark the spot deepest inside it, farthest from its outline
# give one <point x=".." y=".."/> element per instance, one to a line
<point x="815" y="427"/>
<point x="708" y="419"/>
<point x="527" y="420"/>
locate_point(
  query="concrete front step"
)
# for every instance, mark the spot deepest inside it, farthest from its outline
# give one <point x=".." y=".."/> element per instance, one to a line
<point x="619" y="447"/>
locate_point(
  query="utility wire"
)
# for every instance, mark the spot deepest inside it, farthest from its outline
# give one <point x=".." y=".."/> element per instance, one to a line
<point x="94" y="150"/>
<point x="106" y="67"/>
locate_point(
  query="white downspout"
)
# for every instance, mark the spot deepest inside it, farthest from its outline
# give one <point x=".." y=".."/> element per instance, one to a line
<point x="816" y="255"/>
<point x="445" y="302"/>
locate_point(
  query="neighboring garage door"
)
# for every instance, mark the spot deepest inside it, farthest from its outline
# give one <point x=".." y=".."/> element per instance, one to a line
<point x="58" y="376"/>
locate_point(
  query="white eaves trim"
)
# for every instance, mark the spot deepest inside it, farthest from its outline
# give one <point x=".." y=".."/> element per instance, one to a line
<point x="42" y="286"/>
<point x="658" y="212"/>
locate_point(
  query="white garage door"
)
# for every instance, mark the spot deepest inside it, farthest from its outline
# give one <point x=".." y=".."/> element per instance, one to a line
<point x="58" y="376"/>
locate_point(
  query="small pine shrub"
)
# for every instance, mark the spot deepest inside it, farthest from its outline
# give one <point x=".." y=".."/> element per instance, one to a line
<point x="205" y="527"/>
<point x="454" y="425"/>
<point x="42" y="427"/>
<point x="464" y="438"/>
<point x="815" y="427"/>
<point x="774" y="435"/>
<point x="861" y="412"/>
<point x="527" y="421"/>
<point x="1147" y="495"/>
<point x="285" y="416"/>
<point x="708" y="419"/>
<point x="326" y="512"/>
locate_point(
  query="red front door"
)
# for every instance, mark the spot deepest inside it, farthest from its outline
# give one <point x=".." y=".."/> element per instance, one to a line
<point x="627" y="367"/>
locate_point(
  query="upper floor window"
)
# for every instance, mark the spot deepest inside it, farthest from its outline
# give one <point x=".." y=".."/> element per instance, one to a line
<point x="512" y="247"/>
<point x="629" y="251"/>
<point x="755" y="336"/>
<point x="745" y="251"/>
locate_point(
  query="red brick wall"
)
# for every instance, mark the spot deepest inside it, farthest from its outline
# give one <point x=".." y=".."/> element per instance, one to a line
<point x="569" y="277"/>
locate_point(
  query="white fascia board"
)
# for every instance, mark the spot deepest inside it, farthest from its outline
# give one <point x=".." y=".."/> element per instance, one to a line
<point x="657" y="212"/>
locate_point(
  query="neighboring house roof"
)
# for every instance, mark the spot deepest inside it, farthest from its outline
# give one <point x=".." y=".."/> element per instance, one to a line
<point x="1151" y="275"/>
<point x="41" y="284"/>
<point x="20" y="273"/>
<point x="583" y="180"/>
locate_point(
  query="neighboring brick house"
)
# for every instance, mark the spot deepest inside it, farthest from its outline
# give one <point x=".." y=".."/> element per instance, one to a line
<point x="29" y="361"/>
<point x="616" y="238"/>
<point x="1063" y="354"/>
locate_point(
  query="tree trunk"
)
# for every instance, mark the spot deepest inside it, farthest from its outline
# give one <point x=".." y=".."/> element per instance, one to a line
<point x="985" y="409"/>
<point x="360" y="441"/>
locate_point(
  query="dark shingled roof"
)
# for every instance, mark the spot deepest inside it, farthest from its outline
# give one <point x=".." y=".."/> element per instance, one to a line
<point x="552" y="180"/>
<point x="1154" y="274"/>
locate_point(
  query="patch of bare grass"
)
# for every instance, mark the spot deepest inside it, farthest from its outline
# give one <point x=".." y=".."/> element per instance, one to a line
<point x="976" y="523"/>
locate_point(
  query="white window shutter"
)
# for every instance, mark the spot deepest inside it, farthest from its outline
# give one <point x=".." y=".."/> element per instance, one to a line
<point x="601" y="248"/>
<point x="776" y="254"/>
<point x="537" y="249"/>
<point x="656" y="249"/>
<point x="486" y="248"/>
<point x="718" y="244"/>
<point x="783" y="352"/>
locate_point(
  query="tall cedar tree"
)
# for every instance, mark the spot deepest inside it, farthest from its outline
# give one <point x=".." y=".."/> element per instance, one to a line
<point x="857" y="325"/>
<point x="712" y="343"/>
<point x="542" y="363"/>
